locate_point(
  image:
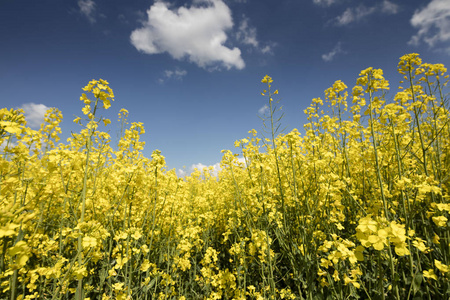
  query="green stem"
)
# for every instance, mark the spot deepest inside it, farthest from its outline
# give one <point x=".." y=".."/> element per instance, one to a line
<point x="79" y="292"/>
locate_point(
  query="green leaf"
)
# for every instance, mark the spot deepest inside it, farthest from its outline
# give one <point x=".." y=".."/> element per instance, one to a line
<point x="418" y="278"/>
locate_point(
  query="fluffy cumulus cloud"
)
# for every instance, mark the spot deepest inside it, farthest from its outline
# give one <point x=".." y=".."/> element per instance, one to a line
<point x="87" y="8"/>
<point x="355" y="14"/>
<point x="197" y="33"/>
<point x="34" y="114"/>
<point x="330" y="55"/>
<point x="433" y="23"/>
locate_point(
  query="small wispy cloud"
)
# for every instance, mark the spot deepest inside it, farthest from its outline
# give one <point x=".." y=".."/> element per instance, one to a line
<point x="433" y="24"/>
<point x="356" y="14"/>
<point x="353" y="14"/>
<point x="268" y="49"/>
<point x="246" y="34"/>
<point x="87" y="9"/>
<point x="34" y="114"/>
<point x="122" y="19"/>
<point x="176" y="74"/>
<point x="336" y="50"/>
<point x="264" y="109"/>
<point x="389" y="7"/>
<point x="326" y="3"/>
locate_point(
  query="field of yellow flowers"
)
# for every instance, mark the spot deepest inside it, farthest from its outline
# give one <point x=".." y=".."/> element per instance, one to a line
<point x="355" y="208"/>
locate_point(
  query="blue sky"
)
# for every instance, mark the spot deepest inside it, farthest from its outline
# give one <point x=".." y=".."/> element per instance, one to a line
<point x="191" y="70"/>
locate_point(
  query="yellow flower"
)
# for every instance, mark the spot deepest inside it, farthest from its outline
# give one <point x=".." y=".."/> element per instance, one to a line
<point x="436" y="239"/>
<point x="89" y="242"/>
<point x="118" y="286"/>
<point x="106" y="104"/>
<point x="440" y="221"/>
<point x="336" y="275"/>
<point x="398" y="232"/>
<point x="86" y="109"/>
<point x="85" y="99"/>
<point x="430" y="274"/>
<point x="325" y="263"/>
<point x="80" y="272"/>
<point x="106" y="121"/>
<point x="367" y="224"/>
<point x="320" y="272"/>
<point x="401" y="249"/>
<point x="377" y="242"/>
<point x="441" y="267"/>
<point x="267" y="79"/>
<point x="443" y="206"/>
<point x="420" y="244"/>
<point x="359" y="253"/>
<point x="354" y="282"/>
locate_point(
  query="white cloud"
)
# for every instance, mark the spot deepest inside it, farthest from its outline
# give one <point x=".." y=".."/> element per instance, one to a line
<point x="185" y="172"/>
<point x="176" y="74"/>
<point x="181" y="172"/>
<point x="433" y="23"/>
<point x="197" y="32"/>
<point x="389" y="7"/>
<point x="215" y="168"/>
<point x="241" y="159"/>
<point x="325" y="2"/>
<point x="268" y="49"/>
<point x="263" y="109"/>
<point x="346" y="17"/>
<point x="336" y="50"/>
<point x="355" y="14"/>
<point x="34" y="113"/>
<point x="247" y="34"/>
<point x="87" y="8"/>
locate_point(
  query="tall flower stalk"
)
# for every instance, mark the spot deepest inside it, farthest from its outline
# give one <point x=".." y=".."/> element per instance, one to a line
<point x="103" y="94"/>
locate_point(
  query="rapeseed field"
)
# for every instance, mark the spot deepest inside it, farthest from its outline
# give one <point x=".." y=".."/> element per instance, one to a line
<point x="357" y="207"/>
